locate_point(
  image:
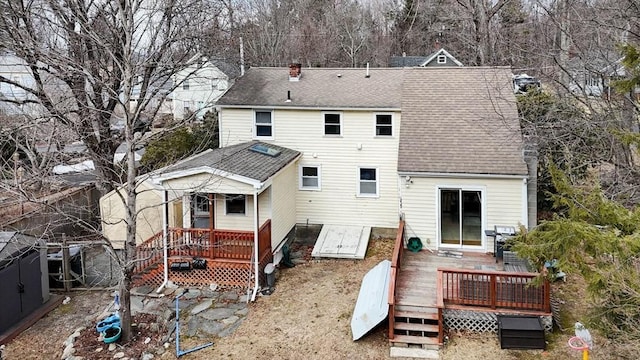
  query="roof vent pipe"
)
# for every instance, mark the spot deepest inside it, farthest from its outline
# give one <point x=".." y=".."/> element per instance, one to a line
<point x="288" y="96"/>
<point x="367" y="75"/>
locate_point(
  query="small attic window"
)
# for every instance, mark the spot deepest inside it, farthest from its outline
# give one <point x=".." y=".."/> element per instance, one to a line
<point x="442" y="59"/>
<point x="263" y="149"/>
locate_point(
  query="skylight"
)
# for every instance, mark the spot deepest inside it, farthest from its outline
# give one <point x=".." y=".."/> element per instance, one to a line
<point x="263" y="149"/>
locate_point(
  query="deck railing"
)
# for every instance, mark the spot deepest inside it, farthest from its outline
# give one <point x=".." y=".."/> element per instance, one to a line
<point x="492" y="289"/>
<point x="396" y="261"/>
<point x="212" y="244"/>
<point x="149" y="252"/>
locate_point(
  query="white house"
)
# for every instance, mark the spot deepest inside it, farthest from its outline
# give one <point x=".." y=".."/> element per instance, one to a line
<point x="440" y="147"/>
<point x="14" y="70"/>
<point x="198" y="87"/>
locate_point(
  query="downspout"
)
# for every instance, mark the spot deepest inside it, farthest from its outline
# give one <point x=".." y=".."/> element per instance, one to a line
<point x="165" y="234"/>
<point x="255" y="244"/>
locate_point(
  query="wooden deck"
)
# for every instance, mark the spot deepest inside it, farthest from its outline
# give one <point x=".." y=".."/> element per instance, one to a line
<point x="416" y="284"/>
<point x="423" y="284"/>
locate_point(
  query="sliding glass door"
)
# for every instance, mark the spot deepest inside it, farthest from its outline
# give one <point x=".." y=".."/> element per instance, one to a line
<point x="460" y="217"/>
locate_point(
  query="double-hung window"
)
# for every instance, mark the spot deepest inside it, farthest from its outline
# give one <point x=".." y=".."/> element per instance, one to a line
<point x="185" y="84"/>
<point x="367" y="182"/>
<point x="263" y="123"/>
<point x="310" y="177"/>
<point x="442" y="59"/>
<point x="332" y="124"/>
<point x="384" y="125"/>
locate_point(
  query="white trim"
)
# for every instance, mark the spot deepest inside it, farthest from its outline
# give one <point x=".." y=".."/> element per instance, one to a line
<point x="255" y="125"/>
<point x="377" y="181"/>
<point x="483" y="216"/>
<point x="443" y="58"/>
<point x="301" y="177"/>
<point x="324" y="123"/>
<point x="226" y="213"/>
<point x="441" y="52"/>
<point x="375" y="125"/>
<point x="206" y="170"/>
<point x="459" y="175"/>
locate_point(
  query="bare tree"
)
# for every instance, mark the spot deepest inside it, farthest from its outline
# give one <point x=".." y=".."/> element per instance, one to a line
<point x="97" y="64"/>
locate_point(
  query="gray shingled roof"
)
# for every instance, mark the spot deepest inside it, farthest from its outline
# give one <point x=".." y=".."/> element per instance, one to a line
<point x="460" y="120"/>
<point x="239" y="160"/>
<point x="407" y="61"/>
<point x="317" y="88"/>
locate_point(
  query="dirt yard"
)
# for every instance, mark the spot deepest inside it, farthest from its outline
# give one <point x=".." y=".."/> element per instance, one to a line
<point x="307" y="317"/>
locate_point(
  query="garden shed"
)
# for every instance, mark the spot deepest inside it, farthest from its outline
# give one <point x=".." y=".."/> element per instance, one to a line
<point x="24" y="283"/>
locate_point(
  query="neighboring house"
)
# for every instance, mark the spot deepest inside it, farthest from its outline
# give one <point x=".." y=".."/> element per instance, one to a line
<point x="591" y="75"/>
<point x="441" y="57"/>
<point x="15" y="69"/>
<point x="199" y="86"/>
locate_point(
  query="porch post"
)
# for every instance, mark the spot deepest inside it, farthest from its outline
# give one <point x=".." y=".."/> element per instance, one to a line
<point x="165" y="234"/>
<point x="211" y="225"/>
<point x="256" y="232"/>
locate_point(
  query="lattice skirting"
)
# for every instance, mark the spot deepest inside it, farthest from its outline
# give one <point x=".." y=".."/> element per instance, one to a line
<point x="224" y="273"/>
<point x="478" y="321"/>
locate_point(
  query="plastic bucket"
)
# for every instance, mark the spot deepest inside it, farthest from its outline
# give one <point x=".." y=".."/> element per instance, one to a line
<point x="112" y="334"/>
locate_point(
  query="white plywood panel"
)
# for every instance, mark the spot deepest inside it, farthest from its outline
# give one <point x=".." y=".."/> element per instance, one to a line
<point x="372" y="306"/>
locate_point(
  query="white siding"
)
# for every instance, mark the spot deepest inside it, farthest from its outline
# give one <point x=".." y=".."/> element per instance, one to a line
<point x="339" y="158"/>
<point x="283" y="200"/>
<point x="149" y="217"/>
<point x="503" y="204"/>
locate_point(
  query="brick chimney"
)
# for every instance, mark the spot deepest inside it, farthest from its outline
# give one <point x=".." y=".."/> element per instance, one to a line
<point x="295" y="70"/>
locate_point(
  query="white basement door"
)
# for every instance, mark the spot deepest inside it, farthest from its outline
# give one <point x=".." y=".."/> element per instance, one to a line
<point x="342" y="241"/>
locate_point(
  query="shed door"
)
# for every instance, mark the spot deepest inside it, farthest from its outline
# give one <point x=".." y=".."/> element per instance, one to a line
<point x="22" y="289"/>
<point x="31" y="283"/>
<point x="9" y="296"/>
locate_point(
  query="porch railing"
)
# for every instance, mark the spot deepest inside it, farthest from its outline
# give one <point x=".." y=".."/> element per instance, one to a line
<point x="493" y="289"/>
<point x="216" y="244"/>
<point x="149" y="252"/>
<point x="396" y="261"/>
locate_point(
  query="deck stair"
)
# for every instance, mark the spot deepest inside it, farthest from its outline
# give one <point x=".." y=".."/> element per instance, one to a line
<point x="416" y="326"/>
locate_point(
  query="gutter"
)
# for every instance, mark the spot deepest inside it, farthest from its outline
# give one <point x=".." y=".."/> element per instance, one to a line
<point x="165" y="233"/>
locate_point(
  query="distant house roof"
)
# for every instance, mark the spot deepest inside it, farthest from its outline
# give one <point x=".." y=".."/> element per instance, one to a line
<point x="238" y="159"/>
<point x="460" y="120"/>
<point x="413" y="61"/>
<point x="433" y="57"/>
<point x="407" y="61"/>
<point x="317" y="88"/>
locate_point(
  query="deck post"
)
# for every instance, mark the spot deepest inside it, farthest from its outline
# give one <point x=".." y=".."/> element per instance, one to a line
<point x="492" y="291"/>
<point x="547" y="295"/>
